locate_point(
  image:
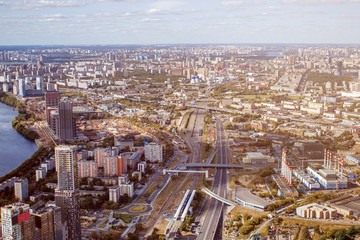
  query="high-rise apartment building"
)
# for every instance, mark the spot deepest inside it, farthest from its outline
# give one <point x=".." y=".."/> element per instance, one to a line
<point x="48" y="221"/>
<point x="67" y="125"/>
<point x="125" y="186"/>
<point x="40" y="84"/>
<point x="87" y="169"/>
<point x="66" y="167"/>
<point x="16" y="222"/>
<point x="21" y="189"/>
<point x="114" y="193"/>
<point x="101" y="153"/>
<point x="292" y="60"/>
<point x="22" y="87"/>
<point x="121" y="164"/>
<point x="52" y="99"/>
<point x="69" y="202"/>
<point x="67" y="191"/>
<point x="110" y="166"/>
<point x="153" y="152"/>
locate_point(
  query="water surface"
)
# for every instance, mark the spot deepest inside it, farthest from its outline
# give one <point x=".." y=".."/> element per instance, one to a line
<point x="14" y="148"/>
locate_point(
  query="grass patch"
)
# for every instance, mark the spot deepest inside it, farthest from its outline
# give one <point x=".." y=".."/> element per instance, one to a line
<point x="103" y="224"/>
<point x="148" y="192"/>
<point x="214" y="161"/>
<point x="174" y="162"/>
<point x="106" y="213"/>
<point x="163" y="198"/>
<point x="125" y="217"/>
<point x="244" y="210"/>
<point x="138" y="209"/>
<point x="162" y="224"/>
<point x="206" y="148"/>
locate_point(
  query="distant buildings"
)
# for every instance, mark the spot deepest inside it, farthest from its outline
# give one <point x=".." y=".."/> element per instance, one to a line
<point x="153" y="152"/>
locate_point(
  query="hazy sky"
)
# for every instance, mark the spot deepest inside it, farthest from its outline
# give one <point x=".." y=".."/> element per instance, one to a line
<point x="183" y="21"/>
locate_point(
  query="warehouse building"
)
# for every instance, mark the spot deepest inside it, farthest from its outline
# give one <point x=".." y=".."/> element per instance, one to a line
<point x="346" y="205"/>
<point x="257" y="158"/>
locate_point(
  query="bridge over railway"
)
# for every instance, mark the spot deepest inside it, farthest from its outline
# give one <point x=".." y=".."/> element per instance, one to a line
<point x="217" y="197"/>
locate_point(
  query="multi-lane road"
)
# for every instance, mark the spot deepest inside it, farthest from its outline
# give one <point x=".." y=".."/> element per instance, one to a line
<point x="215" y="209"/>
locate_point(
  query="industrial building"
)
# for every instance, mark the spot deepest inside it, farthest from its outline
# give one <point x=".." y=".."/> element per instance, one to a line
<point x="327" y="178"/>
<point x="330" y="174"/>
<point x="245" y="198"/>
<point x="307" y="180"/>
<point x="285" y="190"/>
<point x="257" y="158"/>
<point x="346" y="205"/>
<point x="317" y="211"/>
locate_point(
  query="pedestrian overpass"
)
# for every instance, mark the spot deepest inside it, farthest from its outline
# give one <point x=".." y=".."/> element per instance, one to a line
<point x="217" y="197"/>
<point x="186" y="171"/>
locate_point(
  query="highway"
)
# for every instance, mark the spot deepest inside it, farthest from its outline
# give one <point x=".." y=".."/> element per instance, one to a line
<point x="215" y="209"/>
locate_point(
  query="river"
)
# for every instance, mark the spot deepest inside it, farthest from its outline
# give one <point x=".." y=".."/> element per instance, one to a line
<point x="14" y="148"/>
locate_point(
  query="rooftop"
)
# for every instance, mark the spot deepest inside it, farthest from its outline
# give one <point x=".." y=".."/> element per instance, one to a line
<point x="255" y="155"/>
<point x="245" y="195"/>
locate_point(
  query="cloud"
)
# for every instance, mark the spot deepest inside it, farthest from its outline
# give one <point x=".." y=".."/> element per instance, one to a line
<point x="117" y="0"/>
<point x="240" y="3"/>
<point x="52" y="18"/>
<point x="314" y="2"/>
<point x="150" y="20"/>
<point x="156" y="11"/>
<point x="167" y="4"/>
<point x="2" y="3"/>
<point x="48" y="4"/>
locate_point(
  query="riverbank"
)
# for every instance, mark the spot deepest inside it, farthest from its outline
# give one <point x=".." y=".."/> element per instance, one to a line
<point x="23" y="116"/>
<point x="28" y="167"/>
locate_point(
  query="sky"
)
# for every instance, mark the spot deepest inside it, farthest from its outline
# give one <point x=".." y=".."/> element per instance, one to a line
<point x="88" y="22"/>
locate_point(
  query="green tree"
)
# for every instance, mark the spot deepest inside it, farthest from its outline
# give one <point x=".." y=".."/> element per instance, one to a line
<point x="138" y="227"/>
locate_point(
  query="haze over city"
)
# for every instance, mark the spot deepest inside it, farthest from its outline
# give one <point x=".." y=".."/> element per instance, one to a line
<point x="51" y="22"/>
<point x="179" y="120"/>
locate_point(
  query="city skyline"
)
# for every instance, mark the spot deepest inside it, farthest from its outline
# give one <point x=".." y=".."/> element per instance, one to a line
<point x="88" y="22"/>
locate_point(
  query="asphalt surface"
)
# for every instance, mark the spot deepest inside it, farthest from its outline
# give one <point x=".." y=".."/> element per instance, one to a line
<point x="215" y="209"/>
